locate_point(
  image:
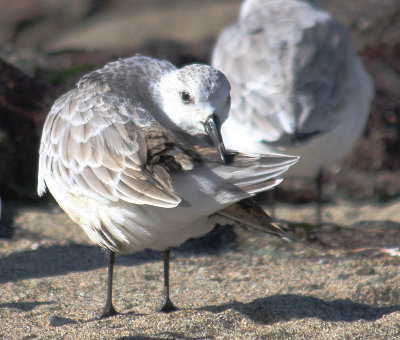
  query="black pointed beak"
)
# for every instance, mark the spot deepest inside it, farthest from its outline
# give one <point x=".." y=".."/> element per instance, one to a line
<point x="213" y="129"/>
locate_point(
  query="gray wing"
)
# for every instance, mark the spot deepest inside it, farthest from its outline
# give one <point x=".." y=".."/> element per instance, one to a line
<point x="288" y="64"/>
<point x="95" y="149"/>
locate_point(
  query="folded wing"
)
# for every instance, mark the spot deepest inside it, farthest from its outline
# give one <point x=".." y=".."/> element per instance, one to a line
<point x="96" y="150"/>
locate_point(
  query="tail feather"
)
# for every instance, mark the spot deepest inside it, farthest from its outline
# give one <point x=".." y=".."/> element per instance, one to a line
<point x="257" y="188"/>
<point x="254" y="172"/>
<point x="249" y="214"/>
<point x="214" y="186"/>
<point x="252" y="180"/>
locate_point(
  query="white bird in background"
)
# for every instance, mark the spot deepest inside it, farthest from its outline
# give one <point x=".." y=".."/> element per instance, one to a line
<point x="134" y="155"/>
<point x="298" y="86"/>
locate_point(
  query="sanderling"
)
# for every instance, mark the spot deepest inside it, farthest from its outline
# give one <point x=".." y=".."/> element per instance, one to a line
<point x="134" y="155"/>
<point x="298" y="86"/>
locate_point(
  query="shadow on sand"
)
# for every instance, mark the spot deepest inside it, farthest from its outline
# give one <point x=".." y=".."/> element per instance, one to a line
<point x="283" y="308"/>
<point x="59" y="260"/>
<point x="25" y="306"/>
<point x="277" y="308"/>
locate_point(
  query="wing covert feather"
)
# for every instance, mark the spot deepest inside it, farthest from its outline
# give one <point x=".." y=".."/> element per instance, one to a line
<point x="95" y="150"/>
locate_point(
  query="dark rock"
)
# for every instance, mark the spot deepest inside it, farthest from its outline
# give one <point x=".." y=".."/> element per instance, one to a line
<point x="24" y="102"/>
<point x="366" y="271"/>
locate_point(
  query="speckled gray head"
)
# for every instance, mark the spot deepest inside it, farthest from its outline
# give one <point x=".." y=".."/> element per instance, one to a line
<point x="197" y="99"/>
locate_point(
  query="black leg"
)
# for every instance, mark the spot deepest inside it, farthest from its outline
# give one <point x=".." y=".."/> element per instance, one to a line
<point x="108" y="309"/>
<point x="167" y="306"/>
<point x="319" y="183"/>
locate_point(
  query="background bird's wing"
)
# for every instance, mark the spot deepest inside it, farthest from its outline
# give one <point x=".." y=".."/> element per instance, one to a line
<point x="288" y="68"/>
<point x="95" y="149"/>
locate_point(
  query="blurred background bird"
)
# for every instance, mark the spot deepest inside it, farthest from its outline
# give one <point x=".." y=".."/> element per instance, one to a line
<point x="298" y="86"/>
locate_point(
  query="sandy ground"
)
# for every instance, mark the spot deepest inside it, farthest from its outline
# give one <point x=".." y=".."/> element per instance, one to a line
<point x="231" y="284"/>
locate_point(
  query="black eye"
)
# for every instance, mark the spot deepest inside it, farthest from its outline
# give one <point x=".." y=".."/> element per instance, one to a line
<point x="185" y="97"/>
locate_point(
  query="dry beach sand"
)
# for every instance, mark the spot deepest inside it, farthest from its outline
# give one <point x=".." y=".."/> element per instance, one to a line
<point x="231" y="284"/>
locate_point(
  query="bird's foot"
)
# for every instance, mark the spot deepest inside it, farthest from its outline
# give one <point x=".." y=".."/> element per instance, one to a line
<point x="167" y="306"/>
<point x="108" y="311"/>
